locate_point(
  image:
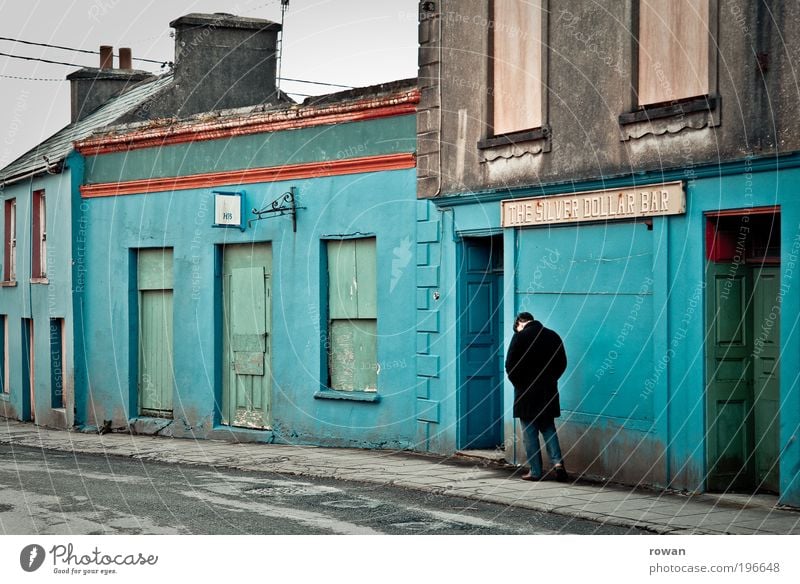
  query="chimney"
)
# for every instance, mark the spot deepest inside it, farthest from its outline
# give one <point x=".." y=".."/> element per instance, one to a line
<point x="224" y="61"/>
<point x="125" y="59"/>
<point x="106" y="57"/>
<point x="90" y="88"/>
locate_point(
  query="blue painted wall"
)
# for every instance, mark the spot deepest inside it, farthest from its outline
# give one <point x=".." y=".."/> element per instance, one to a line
<point x="39" y="301"/>
<point x="380" y="204"/>
<point x="628" y="302"/>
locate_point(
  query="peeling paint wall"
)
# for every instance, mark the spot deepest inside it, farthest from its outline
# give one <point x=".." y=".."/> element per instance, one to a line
<point x="377" y="204"/>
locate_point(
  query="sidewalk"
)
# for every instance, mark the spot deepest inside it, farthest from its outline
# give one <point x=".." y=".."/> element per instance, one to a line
<point x="614" y="505"/>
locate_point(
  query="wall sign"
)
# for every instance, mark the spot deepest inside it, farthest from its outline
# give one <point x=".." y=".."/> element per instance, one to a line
<point x="605" y="205"/>
<point x="228" y="209"/>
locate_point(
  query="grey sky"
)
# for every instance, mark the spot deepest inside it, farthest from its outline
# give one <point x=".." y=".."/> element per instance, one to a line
<point x="337" y="41"/>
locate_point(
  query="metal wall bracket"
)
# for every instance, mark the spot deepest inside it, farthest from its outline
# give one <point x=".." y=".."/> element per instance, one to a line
<point x="285" y="204"/>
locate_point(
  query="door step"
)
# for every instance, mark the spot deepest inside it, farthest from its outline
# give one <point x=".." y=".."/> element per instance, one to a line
<point x="487" y="456"/>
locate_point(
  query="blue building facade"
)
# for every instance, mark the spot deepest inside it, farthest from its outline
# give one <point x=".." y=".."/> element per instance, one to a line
<point x="656" y="236"/>
<point x="248" y="274"/>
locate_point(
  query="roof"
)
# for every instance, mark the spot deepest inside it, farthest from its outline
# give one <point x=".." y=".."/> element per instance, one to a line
<point x="56" y="148"/>
<point x="387" y="99"/>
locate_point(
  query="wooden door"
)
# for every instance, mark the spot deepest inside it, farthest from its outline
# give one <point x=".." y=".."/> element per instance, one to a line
<point x="480" y="315"/>
<point x="766" y="386"/>
<point x="729" y="377"/>
<point x="156" y="369"/>
<point x="247" y="376"/>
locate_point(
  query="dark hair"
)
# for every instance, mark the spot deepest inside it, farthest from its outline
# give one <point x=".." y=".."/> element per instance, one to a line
<point x="524" y="317"/>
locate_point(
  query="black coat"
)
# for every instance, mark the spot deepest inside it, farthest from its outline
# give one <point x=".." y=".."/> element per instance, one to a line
<point x="535" y="360"/>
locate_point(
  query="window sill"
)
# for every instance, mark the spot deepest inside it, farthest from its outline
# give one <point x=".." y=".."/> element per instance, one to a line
<point x="9" y="284"/>
<point x="40" y="281"/>
<point x="514" y="138"/>
<point x="705" y="103"/>
<point x="514" y="145"/>
<point x="695" y="113"/>
<point x="359" y="396"/>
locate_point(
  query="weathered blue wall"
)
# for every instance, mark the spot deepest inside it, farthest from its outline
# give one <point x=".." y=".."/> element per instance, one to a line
<point x="40" y="301"/>
<point x="629" y="304"/>
<point x="381" y="204"/>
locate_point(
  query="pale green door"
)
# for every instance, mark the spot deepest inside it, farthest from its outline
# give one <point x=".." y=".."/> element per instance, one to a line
<point x="247" y="376"/>
<point x="156" y="374"/>
<point x="729" y="391"/>
<point x="743" y="316"/>
<point x="766" y="354"/>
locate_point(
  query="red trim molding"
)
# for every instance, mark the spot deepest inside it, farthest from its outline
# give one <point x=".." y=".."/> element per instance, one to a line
<point x="169" y="132"/>
<point x="747" y="211"/>
<point x="400" y="161"/>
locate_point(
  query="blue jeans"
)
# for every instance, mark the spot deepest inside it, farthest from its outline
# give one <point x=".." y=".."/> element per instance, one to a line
<point x="530" y="436"/>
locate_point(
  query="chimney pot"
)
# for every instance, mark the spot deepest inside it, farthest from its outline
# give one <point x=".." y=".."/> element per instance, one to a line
<point x="125" y="59"/>
<point x="106" y="57"/>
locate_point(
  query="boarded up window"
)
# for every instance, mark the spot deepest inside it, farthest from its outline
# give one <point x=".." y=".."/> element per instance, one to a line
<point x="673" y="50"/>
<point x="10" y="243"/>
<point x="39" y="239"/>
<point x="517" y="65"/>
<point x="353" y="314"/>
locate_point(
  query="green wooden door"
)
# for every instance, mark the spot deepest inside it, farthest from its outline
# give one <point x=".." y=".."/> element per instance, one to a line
<point x="156" y="373"/>
<point x="766" y="353"/>
<point x="247" y="376"/>
<point x="729" y="377"/>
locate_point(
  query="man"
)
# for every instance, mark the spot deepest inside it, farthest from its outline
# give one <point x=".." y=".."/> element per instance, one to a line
<point x="535" y="361"/>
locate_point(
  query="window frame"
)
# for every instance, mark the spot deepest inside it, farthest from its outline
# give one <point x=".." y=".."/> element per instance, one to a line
<point x="673" y="109"/>
<point x="492" y="138"/>
<point x="328" y="390"/>
<point x="39" y="238"/>
<point x="10" y="241"/>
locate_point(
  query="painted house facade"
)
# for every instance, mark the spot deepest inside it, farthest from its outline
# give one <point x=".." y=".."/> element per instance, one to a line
<point x="247" y="273"/>
<point x="42" y="268"/>
<point x="630" y="177"/>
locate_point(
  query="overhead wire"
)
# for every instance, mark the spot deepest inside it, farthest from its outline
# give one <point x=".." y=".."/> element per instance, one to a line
<point x="85" y="51"/>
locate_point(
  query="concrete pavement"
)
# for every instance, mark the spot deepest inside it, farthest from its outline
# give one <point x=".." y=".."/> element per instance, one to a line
<point x="665" y="513"/>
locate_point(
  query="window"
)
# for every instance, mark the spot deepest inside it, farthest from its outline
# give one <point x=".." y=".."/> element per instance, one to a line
<point x="517" y="66"/>
<point x="3" y="353"/>
<point x="39" y="239"/>
<point x="353" y="315"/>
<point x="10" y="244"/>
<point x="674" y="61"/>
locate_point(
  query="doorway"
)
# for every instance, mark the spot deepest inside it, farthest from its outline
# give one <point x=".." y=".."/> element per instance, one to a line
<point x="480" y="312"/>
<point x="156" y="365"/>
<point x="743" y="350"/>
<point x="247" y="328"/>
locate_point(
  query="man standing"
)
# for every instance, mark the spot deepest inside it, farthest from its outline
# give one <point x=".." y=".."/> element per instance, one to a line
<point x="535" y="361"/>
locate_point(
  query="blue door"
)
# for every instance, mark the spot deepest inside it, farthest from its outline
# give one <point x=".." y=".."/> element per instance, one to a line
<point x="480" y="352"/>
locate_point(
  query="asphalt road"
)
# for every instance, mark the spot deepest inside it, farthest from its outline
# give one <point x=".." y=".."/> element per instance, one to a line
<point x="46" y="492"/>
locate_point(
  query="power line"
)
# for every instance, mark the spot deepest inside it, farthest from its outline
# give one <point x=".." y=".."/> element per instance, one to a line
<point x="315" y="82"/>
<point x="38" y="59"/>
<point x="85" y="51"/>
<point x="28" y="78"/>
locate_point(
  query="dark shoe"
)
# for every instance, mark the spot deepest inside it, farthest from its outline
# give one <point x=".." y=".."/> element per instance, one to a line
<point x="561" y="474"/>
<point x="530" y="477"/>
